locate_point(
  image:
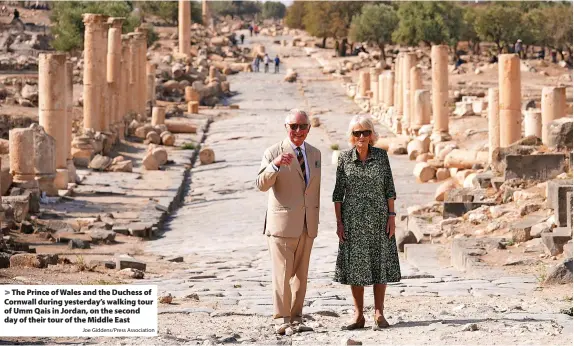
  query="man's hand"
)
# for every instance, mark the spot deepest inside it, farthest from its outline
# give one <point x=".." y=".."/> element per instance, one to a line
<point x="391" y="226"/>
<point x="341" y="232"/>
<point x="283" y="160"/>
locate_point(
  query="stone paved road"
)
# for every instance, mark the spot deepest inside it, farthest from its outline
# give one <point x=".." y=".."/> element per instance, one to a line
<point x="223" y="289"/>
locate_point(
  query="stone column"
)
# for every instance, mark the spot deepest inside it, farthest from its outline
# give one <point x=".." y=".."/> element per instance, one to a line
<point x="416" y="80"/>
<point x="421" y="109"/>
<point x="184" y="27"/>
<point x="52" y="110"/>
<point x="439" y="58"/>
<point x="124" y="104"/>
<point x="132" y="80"/>
<point x="142" y="75"/>
<point x="70" y="120"/>
<point x="114" y="60"/>
<point x="410" y="60"/>
<point x="389" y="89"/>
<point x="191" y="94"/>
<point x="105" y="105"/>
<point x="158" y="116"/>
<point x="553" y="107"/>
<point x="94" y="25"/>
<point x="205" y="13"/>
<point x="398" y="99"/>
<point x="493" y="122"/>
<point x="374" y="84"/>
<point x="21" y="146"/>
<point x="509" y="99"/>
<point x="381" y="89"/>
<point x="364" y="83"/>
<point x="150" y="73"/>
<point x="533" y="123"/>
<point x="44" y="154"/>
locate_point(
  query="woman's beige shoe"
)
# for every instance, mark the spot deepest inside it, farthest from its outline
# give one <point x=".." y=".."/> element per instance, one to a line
<point x="355" y="325"/>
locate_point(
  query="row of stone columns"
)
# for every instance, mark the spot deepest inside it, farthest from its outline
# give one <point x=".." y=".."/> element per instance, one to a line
<point x="504" y="107"/>
<point x="123" y="58"/>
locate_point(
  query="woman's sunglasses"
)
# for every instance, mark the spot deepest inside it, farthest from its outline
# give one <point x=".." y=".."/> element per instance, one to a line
<point x="302" y="127"/>
<point x="365" y="133"/>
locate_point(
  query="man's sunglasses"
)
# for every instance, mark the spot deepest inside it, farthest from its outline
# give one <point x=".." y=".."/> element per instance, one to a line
<point x="365" y="133"/>
<point x="302" y="127"/>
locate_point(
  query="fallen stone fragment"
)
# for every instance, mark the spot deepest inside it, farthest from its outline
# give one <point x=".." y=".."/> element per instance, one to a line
<point x="102" y="236"/>
<point x="206" y="156"/>
<point x="176" y="259"/>
<point x="315" y="122"/>
<point x="132" y="273"/>
<point x="424" y="172"/>
<point x="167" y="299"/>
<point x="167" y="138"/>
<point x="349" y="341"/>
<point x="470" y="327"/>
<point x="153" y="137"/>
<point x="32" y="260"/>
<point x="125" y="261"/>
<point x="78" y="244"/>
<point x="150" y="162"/>
<point x="179" y="126"/>
<point x="554" y="242"/>
<point x="102" y="263"/>
<point x="560" y="274"/>
<point x="122" y="166"/>
<point x="100" y="163"/>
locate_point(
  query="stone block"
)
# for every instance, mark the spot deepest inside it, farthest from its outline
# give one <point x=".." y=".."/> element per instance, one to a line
<point x="125" y="261"/>
<point x="78" y="244"/>
<point x="560" y="274"/>
<point x="554" y="242"/>
<point x="404" y="236"/>
<point x="456" y="209"/>
<point x="521" y="229"/>
<point x="466" y="252"/>
<point x="32" y="260"/>
<point x="20" y="205"/>
<point x="569" y="203"/>
<point x="559" y="133"/>
<point x="534" y="167"/>
<point x="484" y="180"/>
<point x="100" y="235"/>
<point x="140" y="229"/>
<point x="557" y="199"/>
<point x="105" y="264"/>
<point x="567" y="249"/>
<point x="418" y="227"/>
<point x="497" y="182"/>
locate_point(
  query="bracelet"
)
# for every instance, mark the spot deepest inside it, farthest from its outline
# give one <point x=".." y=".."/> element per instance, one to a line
<point x="392" y="213"/>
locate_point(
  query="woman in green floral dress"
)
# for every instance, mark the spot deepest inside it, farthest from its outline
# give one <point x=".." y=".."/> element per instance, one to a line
<point x="364" y="206"/>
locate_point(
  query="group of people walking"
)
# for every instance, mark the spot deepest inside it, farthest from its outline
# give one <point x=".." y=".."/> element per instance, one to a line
<point x="266" y="62"/>
<point x="364" y="208"/>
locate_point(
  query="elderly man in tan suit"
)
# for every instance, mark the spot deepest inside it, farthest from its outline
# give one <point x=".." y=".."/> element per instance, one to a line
<point x="291" y="172"/>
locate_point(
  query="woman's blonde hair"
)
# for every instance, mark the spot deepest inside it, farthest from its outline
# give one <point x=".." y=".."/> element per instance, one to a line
<point x="366" y="123"/>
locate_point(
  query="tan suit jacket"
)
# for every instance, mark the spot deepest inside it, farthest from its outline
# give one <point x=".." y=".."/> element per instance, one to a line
<point x="291" y="204"/>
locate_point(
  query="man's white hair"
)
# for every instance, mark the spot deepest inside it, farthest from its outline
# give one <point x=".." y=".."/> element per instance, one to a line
<point x="293" y="113"/>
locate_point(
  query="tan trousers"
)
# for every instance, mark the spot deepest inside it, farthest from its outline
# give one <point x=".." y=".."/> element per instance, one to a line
<point x="290" y="267"/>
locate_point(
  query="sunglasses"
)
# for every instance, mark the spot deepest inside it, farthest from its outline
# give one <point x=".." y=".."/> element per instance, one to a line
<point x="301" y="127"/>
<point x="365" y="133"/>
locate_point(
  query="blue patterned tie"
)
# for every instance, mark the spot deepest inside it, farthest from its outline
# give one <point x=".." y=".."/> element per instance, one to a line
<point x="302" y="163"/>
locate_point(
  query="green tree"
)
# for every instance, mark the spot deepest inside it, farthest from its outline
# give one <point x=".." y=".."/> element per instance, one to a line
<point x="168" y="10"/>
<point x="468" y="32"/>
<point x="498" y="24"/>
<point x="273" y="9"/>
<point x="295" y="14"/>
<point x="317" y="19"/>
<point x="68" y="26"/>
<point x="235" y="8"/>
<point x="375" y="24"/>
<point x="551" y="26"/>
<point x="434" y="22"/>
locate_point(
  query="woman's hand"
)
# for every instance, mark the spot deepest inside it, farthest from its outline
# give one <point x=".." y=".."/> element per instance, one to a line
<point x="341" y="232"/>
<point x="391" y="226"/>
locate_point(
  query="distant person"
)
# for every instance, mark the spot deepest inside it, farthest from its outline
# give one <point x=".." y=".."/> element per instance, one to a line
<point x="256" y="30"/>
<point x="541" y="54"/>
<point x="266" y="61"/>
<point x="493" y="58"/>
<point x="250" y="30"/>
<point x="554" y="57"/>
<point x="277" y="62"/>
<point x="518" y="49"/>
<point x="16" y="14"/>
<point x="458" y="62"/>
<point x="242" y="38"/>
<point x="256" y="64"/>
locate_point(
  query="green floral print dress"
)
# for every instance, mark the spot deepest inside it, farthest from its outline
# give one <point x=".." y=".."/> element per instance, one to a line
<point x="368" y="256"/>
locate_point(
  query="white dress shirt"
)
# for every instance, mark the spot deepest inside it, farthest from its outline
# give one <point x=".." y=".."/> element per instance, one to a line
<point x="304" y="157"/>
